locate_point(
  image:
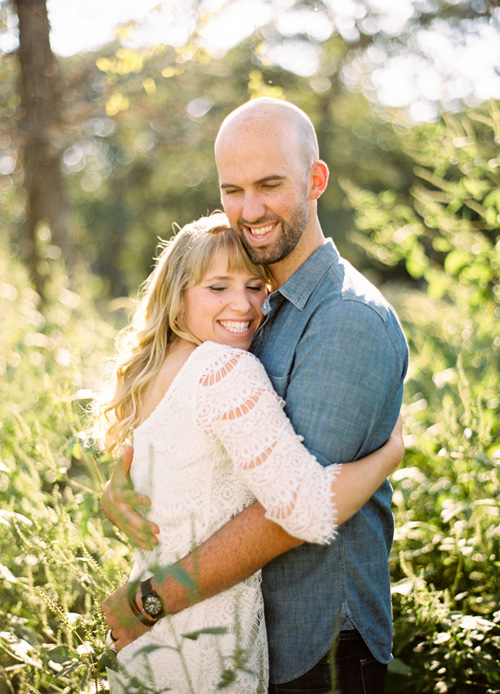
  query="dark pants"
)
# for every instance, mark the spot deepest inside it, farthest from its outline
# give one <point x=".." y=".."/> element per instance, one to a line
<point x="357" y="671"/>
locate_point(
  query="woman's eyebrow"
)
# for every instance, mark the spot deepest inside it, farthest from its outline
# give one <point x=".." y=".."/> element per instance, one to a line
<point x="211" y="278"/>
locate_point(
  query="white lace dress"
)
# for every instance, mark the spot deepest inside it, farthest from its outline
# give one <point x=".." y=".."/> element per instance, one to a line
<point x="218" y="440"/>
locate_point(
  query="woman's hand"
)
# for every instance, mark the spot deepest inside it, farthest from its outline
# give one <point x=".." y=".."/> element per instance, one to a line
<point x="124" y="625"/>
<point x="397" y="446"/>
<point x="120" y="501"/>
<point x="357" y="481"/>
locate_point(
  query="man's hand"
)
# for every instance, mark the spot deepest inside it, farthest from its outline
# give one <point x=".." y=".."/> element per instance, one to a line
<point x="124" y="625"/>
<point x="120" y="501"/>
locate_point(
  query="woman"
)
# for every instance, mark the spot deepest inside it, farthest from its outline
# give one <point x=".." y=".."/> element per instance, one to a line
<point x="210" y="436"/>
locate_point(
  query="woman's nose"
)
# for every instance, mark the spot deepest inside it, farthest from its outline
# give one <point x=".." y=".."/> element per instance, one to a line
<point x="240" y="302"/>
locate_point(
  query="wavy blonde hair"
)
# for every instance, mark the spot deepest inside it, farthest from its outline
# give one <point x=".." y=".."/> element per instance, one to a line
<point x="143" y="345"/>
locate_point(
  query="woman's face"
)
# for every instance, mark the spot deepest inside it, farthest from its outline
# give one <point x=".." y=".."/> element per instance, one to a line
<point x="225" y="307"/>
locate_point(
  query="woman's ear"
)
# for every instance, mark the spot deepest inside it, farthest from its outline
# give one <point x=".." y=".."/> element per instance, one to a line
<point x="319" y="179"/>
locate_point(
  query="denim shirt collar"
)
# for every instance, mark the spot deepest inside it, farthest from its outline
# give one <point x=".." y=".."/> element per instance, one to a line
<point x="299" y="287"/>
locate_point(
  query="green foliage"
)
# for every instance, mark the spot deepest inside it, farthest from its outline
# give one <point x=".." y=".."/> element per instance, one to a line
<point x="446" y="584"/>
<point x="447" y="232"/>
<point x="138" y="156"/>
<point x="137" y="147"/>
<point x="59" y="557"/>
<point x="57" y="563"/>
<point x="446" y="552"/>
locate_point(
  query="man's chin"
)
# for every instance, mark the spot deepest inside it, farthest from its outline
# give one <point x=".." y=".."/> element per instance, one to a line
<point x="257" y="255"/>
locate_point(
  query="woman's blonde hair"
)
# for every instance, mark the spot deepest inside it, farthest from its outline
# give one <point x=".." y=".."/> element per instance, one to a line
<point x="183" y="262"/>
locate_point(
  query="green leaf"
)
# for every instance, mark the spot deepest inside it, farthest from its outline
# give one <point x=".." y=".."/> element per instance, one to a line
<point x="416" y="262"/>
<point x="227" y="678"/>
<point x="398" y="667"/>
<point x="68" y="670"/>
<point x="493" y="199"/>
<point x="193" y="635"/>
<point x="456" y="261"/>
<point x="85" y="679"/>
<point x="109" y="660"/>
<point x="154" y="647"/>
<point x="180" y="575"/>
<point x="74" y="448"/>
<point x="476" y="187"/>
<point x="62" y="654"/>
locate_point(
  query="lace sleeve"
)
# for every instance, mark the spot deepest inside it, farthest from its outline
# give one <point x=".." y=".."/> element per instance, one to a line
<point x="238" y="405"/>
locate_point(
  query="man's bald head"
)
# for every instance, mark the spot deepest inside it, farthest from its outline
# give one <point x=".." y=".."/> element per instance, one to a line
<point x="267" y="115"/>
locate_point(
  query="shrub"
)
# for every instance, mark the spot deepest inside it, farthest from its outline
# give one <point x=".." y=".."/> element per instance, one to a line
<point x="446" y="553"/>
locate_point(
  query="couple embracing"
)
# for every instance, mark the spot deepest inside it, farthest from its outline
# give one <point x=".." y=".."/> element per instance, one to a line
<point x="273" y="461"/>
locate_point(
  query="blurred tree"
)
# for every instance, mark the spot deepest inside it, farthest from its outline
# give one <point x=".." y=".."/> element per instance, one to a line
<point x="139" y="123"/>
<point x="146" y="158"/>
<point x="11" y="201"/>
<point x="40" y="124"/>
<point x="148" y="161"/>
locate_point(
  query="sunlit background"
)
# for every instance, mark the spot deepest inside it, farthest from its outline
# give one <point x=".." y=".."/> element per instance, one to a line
<point x="449" y="64"/>
<point x="104" y="149"/>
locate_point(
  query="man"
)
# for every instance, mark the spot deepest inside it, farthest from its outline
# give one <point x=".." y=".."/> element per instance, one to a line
<point x="335" y="353"/>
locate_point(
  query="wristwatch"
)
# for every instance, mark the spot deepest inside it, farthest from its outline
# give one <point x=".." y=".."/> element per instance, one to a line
<point x="151" y="601"/>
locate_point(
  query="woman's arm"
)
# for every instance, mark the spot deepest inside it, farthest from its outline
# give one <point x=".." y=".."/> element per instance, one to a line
<point x="356" y="482"/>
<point x="353" y="485"/>
<point x="244" y="545"/>
<point x="238" y="406"/>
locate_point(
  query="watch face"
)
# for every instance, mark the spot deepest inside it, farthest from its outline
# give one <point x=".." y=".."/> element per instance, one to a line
<point x="152" y="605"/>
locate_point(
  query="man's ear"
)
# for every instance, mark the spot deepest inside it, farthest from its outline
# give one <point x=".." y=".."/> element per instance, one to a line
<point x="319" y="179"/>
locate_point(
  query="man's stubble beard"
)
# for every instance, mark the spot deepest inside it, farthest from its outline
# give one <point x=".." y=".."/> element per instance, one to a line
<point x="290" y="235"/>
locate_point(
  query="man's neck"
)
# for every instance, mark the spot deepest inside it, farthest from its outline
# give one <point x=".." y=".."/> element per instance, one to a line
<point x="284" y="269"/>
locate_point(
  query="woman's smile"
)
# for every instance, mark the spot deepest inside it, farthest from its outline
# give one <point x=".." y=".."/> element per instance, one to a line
<point x="225" y="307"/>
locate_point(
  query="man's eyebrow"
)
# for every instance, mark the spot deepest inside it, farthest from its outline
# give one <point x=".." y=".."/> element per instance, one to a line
<point x="265" y="179"/>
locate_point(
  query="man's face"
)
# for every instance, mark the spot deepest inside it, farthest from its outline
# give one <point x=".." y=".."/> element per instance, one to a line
<point x="264" y="190"/>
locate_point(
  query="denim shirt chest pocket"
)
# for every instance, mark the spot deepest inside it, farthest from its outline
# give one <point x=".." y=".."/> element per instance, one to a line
<point x="275" y="346"/>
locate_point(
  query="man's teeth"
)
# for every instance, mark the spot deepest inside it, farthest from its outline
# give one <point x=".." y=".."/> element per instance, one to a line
<point x="261" y="230"/>
<point x="235" y="327"/>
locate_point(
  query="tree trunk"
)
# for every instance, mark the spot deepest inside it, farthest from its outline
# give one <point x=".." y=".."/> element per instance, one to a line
<point x="41" y="137"/>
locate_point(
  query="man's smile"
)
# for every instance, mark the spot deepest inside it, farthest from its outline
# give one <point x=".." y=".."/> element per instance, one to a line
<point x="262" y="231"/>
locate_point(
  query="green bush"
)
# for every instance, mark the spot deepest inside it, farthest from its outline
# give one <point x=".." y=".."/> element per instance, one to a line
<point x="445" y="558"/>
<point x="59" y="558"/>
<point x="57" y="563"/>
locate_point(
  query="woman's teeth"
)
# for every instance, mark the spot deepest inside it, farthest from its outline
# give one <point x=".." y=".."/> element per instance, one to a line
<point x="235" y="326"/>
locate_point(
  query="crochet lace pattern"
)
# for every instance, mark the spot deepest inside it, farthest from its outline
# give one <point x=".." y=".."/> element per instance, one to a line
<point x="218" y="440"/>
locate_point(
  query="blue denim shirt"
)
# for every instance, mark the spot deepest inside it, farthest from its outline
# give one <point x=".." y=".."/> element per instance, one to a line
<point x="335" y="352"/>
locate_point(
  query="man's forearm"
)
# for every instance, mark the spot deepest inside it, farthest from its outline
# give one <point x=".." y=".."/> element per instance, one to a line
<point x="236" y="551"/>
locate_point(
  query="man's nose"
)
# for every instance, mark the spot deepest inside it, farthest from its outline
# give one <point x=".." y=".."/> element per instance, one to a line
<point x="253" y="208"/>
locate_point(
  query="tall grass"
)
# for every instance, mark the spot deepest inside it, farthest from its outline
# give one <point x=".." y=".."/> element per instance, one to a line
<point x="57" y="561"/>
<point x="59" y="557"/>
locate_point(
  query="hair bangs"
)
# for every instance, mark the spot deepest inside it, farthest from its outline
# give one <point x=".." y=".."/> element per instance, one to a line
<point x="210" y="243"/>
